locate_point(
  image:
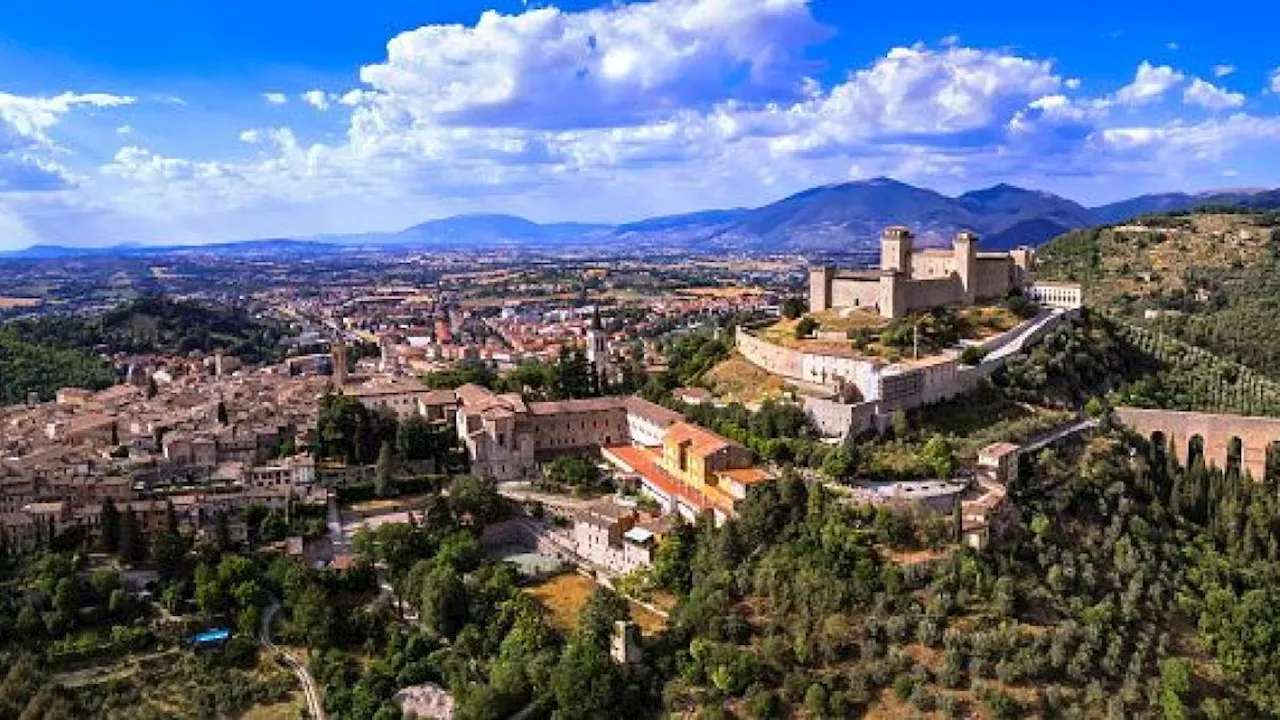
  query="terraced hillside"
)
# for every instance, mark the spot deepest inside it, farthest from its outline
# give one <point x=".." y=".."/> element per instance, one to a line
<point x="1208" y="279"/>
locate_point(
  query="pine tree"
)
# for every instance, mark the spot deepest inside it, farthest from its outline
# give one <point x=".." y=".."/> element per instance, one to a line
<point x="383" y="470"/>
<point x="132" y="547"/>
<point x="110" y="526"/>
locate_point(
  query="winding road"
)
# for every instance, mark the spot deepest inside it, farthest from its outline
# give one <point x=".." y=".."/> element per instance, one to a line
<point x="314" y="707"/>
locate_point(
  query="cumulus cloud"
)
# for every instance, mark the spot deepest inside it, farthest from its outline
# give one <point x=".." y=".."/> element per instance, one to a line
<point x="25" y="145"/>
<point x="28" y="174"/>
<point x="1149" y="84"/>
<point x="1210" y="96"/>
<point x="1220" y="71"/>
<point x="317" y="99"/>
<point x="666" y="106"/>
<point x="547" y="68"/>
<point x="30" y="117"/>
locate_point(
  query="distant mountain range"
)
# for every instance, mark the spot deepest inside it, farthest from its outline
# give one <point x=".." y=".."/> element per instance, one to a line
<point x="832" y="218"/>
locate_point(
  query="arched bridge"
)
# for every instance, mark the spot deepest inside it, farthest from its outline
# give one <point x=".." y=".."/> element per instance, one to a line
<point x="1226" y="441"/>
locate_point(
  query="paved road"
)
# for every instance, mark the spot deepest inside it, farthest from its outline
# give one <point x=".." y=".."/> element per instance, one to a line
<point x="314" y="706"/>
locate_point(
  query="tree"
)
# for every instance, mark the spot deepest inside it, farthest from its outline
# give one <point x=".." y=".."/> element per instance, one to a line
<point x="840" y="463"/>
<point x="937" y="453"/>
<point x="805" y="327"/>
<point x="900" y="424"/>
<point x="597" y="618"/>
<point x="414" y="439"/>
<point x="577" y="472"/>
<point x="383" y="470"/>
<point x="793" y="307"/>
<point x="110" y="526"/>
<point x="476" y="498"/>
<point x="585" y="682"/>
<point x="222" y="530"/>
<point x="132" y="543"/>
<point x="313" y="615"/>
<point x="444" y="601"/>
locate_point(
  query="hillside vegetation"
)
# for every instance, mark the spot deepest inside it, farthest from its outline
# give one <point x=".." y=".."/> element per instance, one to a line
<point x="1210" y="279"/>
<point x="43" y="354"/>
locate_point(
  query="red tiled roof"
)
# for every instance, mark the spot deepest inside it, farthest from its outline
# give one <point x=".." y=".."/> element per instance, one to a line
<point x="644" y="462"/>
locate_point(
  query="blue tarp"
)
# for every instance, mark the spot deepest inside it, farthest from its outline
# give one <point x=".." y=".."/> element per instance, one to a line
<point x="211" y="636"/>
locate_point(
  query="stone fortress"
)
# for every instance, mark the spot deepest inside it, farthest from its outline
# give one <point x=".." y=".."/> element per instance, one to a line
<point x="910" y="280"/>
<point x="846" y="391"/>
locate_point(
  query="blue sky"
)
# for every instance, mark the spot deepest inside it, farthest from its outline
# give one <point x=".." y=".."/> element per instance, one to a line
<point x="195" y="121"/>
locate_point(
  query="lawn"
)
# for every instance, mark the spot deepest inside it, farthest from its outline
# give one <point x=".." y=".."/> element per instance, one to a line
<point x="565" y="594"/>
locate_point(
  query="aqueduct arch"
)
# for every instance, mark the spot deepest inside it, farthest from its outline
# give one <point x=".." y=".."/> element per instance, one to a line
<point x="1226" y="439"/>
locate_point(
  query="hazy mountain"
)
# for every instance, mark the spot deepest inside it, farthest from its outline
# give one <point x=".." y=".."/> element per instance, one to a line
<point x="846" y="217"/>
<point x="481" y="230"/>
<point x="1170" y="202"/>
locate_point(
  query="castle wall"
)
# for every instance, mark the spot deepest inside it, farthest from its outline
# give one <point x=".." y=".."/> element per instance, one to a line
<point x="926" y="294"/>
<point x="836" y="419"/>
<point x="847" y="293"/>
<point x="828" y="370"/>
<point x="774" y="358"/>
<point x="994" y="277"/>
<point x="932" y="265"/>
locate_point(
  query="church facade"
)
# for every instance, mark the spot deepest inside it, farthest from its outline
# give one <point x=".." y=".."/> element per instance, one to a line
<point x="912" y="280"/>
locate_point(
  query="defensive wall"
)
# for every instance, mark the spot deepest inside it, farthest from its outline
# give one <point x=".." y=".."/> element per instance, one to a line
<point x="886" y="388"/>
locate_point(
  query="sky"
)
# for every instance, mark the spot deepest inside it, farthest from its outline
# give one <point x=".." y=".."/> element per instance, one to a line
<point x="138" y="121"/>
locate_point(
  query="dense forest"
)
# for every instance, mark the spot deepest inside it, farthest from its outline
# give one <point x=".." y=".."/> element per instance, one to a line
<point x="43" y="354"/>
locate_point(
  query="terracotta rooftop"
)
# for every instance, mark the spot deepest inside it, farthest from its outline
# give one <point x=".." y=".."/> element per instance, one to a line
<point x="701" y="440"/>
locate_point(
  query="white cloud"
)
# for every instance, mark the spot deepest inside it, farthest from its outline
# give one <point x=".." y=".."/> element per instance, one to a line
<point x="30" y="117"/>
<point x="1275" y="81"/>
<point x="316" y="99"/>
<point x="915" y="92"/>
<point x="621" y="64"/>
<point x="1209" y="96"/>
<point x="1149" y="84"/>
<point x="1220" y="71"/>
<point x="1172" y="45"/>
<point x="250" y="137"/>
<point x="275" y="98"/>
<point x="27" y="150"/>
<point x="124" y="130"/>
<point x="1072" y="83"/>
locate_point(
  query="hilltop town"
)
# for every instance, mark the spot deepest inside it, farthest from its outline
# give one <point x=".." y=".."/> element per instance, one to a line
<point x="610" y="459"/>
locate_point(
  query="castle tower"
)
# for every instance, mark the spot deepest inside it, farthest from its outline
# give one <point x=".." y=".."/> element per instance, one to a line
<point x="966" y="250"/>
<point x="339" y="364"/>
<point x="895" y="249"/>
<point x="892" y="303"/>
<point x="820" y="279"/>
